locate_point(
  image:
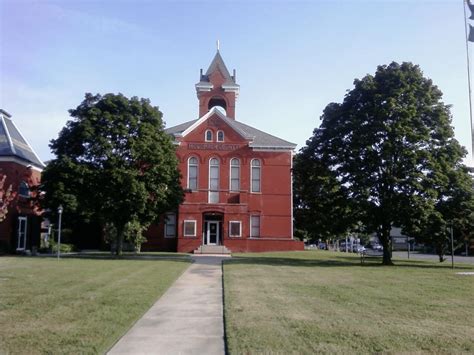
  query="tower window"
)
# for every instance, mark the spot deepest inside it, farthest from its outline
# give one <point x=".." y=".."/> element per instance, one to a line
<point x="208" y="136"/>
<point x="220" y="136"/>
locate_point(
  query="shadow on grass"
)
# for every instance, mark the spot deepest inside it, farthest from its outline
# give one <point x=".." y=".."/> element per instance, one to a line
<point x="109" y="256"/>
<point x="338" y="261"/>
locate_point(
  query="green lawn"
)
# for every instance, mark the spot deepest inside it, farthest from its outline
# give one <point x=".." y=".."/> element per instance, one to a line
<point x="324" y="302"/>
<point x="76" y="305"/>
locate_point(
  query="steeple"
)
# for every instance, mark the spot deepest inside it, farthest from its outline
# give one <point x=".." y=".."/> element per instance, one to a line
<point x="217" y="88"/>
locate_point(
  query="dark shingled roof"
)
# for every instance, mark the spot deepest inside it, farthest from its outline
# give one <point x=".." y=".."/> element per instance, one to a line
<point x="13" y="144"/>
<point x="259" y="139"/>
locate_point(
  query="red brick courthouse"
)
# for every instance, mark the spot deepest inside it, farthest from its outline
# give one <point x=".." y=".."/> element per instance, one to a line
<point x="237" y="179"/>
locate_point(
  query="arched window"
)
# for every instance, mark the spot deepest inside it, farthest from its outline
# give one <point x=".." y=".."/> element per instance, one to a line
<point x="193" y="173"/>
<point x="24" y="189"/>
<point x="255" y="175"/>
<point x="213" y="180"/>
<point x="208" y="137"/>
<point x="234" y="174"/>
<point x="220" y="136"/>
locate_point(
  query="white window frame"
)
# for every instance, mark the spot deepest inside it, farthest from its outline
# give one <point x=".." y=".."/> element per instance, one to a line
<point x="211" y="192"/>
<point x="259" y="226"/>
<point x="166" y="225"/>
<point x="197" y="173"/>
<point x="230" y="229"/>
<point x="223" y="136"/>
<point x="25" y="231"/>
<point x="193" y="221"/>
<point x="230" y="174"/>
<point x="251" y="176"/>
<point x="205" y="135"/>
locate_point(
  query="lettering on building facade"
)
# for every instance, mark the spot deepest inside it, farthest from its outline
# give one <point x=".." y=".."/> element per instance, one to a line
<point x="213" y="146"/>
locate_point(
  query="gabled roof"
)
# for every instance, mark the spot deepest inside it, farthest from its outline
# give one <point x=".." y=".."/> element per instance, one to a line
<point x="13" y="144"/>
<point x="257" y="138"/>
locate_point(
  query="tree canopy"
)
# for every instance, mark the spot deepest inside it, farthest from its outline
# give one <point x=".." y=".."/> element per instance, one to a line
<point x="387" y="153"/>
<point x="114" y="163"/>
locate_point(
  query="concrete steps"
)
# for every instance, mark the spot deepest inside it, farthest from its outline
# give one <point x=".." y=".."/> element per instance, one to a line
<point x="212" y="249"/>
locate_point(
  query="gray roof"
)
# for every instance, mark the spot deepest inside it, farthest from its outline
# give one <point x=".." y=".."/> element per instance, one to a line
<point x="13" y="144"/>
<point x="218" y="63"/>
<point x="258" y="138"/>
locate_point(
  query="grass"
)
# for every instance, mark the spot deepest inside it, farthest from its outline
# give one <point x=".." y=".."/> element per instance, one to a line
<point x="325" y="302"/>
<point x="76" y="305"/>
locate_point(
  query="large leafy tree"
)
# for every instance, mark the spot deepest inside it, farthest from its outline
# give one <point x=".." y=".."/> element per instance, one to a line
<point x="114" y="163"/>
<point x="391" y="148"/>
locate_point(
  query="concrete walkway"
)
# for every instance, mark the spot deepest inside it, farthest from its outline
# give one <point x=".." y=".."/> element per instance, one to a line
<point x="187" y="319"/>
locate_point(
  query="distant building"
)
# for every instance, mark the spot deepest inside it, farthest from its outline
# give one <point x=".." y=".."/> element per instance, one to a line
<point x="20" y="231"/>
<point x="237" y="179"/>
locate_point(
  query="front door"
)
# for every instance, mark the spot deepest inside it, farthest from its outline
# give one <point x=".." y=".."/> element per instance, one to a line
<point x="212" y="233"/>
<point x="21" y="233"/>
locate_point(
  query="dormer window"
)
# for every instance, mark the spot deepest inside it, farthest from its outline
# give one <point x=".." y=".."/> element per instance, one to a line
<point x="24" y="189"/>
<point x="208" y="137"/>
<point x="220" y="136"/>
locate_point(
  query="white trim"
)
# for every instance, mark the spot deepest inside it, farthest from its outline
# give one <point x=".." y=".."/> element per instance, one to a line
<point x="7" y="132"/>
<point x="240" y="229"/>
<point x="211" y="112"/>
<point x="197" y="173"/>
<point x="22" y="218"/>
<point x="20" y="161"/>
<point x="205" y="135"/>
<point x="208" y="232"/>
<point x="166" y="225"/>
<point x="230" y="174"/>
<point x="28" y="143"/>
<point x="251" y="176"/>
<point x="217" y="136"/>
<point x="193" y="221"/>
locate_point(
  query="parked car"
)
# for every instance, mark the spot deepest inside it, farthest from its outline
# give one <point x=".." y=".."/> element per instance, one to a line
<point x="376" y="247"/>
<point x="322" y="245"/>
<point x="357" y="248"/>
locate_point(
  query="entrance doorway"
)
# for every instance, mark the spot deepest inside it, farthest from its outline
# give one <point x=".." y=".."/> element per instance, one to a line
<point x="212" y="233"/>
<point x="212" y="230"/>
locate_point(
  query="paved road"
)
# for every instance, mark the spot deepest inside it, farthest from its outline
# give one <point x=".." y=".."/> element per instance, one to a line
<point x="419" y="256"/>
<point x="187" y="319"/>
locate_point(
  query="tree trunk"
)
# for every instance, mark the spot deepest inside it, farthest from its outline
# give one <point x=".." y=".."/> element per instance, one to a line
<point x="384" y="237"/>
<point x="440" y="252"/>
<point x="118" y="250"/>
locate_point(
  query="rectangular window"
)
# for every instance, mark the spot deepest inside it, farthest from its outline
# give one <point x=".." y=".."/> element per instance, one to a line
<point x="255" y="179"/>
<point x="193" y="178"/>
<point x="170" y="225"/>
<point x="255" y="226"/>
<point x="235" y="228"/>
<point x="234" y="178"/>
<point x="189" y="228"/>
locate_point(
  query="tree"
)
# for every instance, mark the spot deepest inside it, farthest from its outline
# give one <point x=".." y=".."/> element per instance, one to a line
<point x="390" y="146"/>
<point x="7" y="196"/>
<point x="114" y="163"/>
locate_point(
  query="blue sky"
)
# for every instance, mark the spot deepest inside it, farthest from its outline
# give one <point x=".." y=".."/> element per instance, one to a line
<point x="292" y="58"/>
